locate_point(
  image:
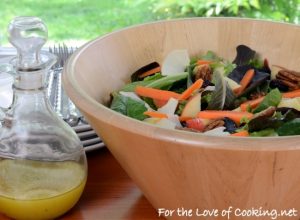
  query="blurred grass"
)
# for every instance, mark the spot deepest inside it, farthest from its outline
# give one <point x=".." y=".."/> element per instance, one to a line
<point x="76" y="21"/>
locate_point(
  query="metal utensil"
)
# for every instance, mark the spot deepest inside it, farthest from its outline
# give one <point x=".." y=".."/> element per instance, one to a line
<point x="62" y="104"/>
<point x="59" y="100"/>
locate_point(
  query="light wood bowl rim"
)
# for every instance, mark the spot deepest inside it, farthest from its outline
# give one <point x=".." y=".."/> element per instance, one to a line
<point x="96" y="109"/>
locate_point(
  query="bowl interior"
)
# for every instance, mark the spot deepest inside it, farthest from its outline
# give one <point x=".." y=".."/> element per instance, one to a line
<point x="105" y="64"/>
<point x="112" y="58"/>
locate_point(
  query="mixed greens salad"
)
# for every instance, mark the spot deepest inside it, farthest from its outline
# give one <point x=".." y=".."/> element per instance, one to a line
<point x="211" y="95"/>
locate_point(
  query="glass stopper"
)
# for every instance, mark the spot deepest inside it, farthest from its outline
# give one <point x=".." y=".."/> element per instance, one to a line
<point x="28" y="35"/>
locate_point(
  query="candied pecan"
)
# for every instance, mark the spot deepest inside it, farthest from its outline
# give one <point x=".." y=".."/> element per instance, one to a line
<point x="290" y="75"/>
<point x="214" y="124"/>
<point x="291" y="85"/>
<point x="203" y="72"/>
<point x="289" y="78"/>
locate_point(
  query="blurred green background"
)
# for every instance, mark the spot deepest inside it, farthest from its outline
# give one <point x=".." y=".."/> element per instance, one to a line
<point x="77" y="21"/>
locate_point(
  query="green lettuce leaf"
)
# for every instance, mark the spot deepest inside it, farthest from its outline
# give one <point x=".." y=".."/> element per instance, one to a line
<point x="153" y="77"/>
<point x="156" y="81"/>
<point x="273" y="98"/>
<point x="130" y="87"/>
<point x="128" y="106"/>
<point x="218" y="97"/>
<point x="210" y="56"/>
<point x="222" y="97"/>
<point x="290" y="128"/>
<point x="167" y="81"/>
<point x="264" y="133"/>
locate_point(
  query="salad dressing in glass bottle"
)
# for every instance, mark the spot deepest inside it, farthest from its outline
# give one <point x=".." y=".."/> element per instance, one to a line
<point x="43" y="165"/>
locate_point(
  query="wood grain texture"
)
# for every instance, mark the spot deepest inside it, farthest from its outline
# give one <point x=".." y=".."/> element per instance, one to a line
<point x="177" y="168"/>
<point x="109" y="193"/>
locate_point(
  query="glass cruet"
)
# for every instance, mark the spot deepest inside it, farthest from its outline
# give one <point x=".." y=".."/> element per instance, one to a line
<point x="43" y="166"/>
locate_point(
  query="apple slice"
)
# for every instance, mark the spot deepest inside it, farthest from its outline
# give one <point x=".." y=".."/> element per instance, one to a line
<point x="192" y="107"/>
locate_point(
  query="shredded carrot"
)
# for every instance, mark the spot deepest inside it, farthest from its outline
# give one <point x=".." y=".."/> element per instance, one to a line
<point x="237" y="90"/>
<point x="150" y="72"/>
<point x="251" y="103"/>
<point x="159" y="103"/>
<point x="184" y="118"/>
<point x="189" y="91"/>
<point x="156" y="93"/>
<point x="255" y="102"/>
<point x="241" y="134"/>
<point x="292" y="94"/>
<point x="155" y="114"/>
<point x="201" y="62"/>
<point x="245" y="81"/>
<point x="233" y="115"/>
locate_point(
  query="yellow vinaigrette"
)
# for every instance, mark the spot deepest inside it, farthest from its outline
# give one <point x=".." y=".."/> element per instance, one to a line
<point x="39" y="190"/>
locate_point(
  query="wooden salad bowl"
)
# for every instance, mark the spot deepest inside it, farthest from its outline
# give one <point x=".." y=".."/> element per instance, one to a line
<point x="174" y="168"/>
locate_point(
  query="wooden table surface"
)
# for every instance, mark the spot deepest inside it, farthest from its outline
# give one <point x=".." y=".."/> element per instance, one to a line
<point x="109" y="193"/>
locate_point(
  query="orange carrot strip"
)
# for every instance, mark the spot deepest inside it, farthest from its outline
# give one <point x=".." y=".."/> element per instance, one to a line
<point x="187" y="93"/>
<point x="184" y="118"/>
<point x="291" y="94"/>
<point x="245" y="81"/>
<point x="237" y="90"/>
<point x="215" y="114"/>
<point x="241" y="134"/>
<point x="159" y="103"/>
<point x="150" y="72"/>
<point x="252" y="103"/>
<point x="255" y="102"/>
<point x="156" y="93"/>
<point x="155" y="114"/>
<point x="201" y="62"/>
